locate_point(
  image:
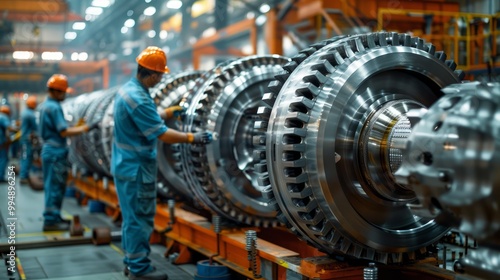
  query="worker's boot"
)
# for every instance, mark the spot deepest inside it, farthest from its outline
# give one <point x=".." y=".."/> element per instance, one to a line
<point x="61" y="226"/>
<point x="153" y="275"/>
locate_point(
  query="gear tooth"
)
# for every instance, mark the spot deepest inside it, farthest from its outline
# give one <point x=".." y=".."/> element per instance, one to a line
<point x="397" y="257"/>
<point x="305" y="192"/>
<point x="371" y="41"/>
<point x="382" y="39"/>
<point x="395" y="39"/>
<point x="259" y="155"/>
<point x="302" y="178"/>
<point x="358" y="251"/>
<point x="430" y="48"/>
<point x="309" y="91"/>
<point x="382" y="257"/>
<point x="345" y="245"/>
<point x="295" y="163"/>
<point x="299" y="58"/>
<point x="451" y="64"/>
<point x="460" y="74"/>
<point x="264" y="112"/>
<point x="261" y="125"/>
<point x="323" y="66"/>
<point x="358" y="44"/>
<point x="267" y="193"/>
<point x="291" y="66"/>
<point x="263" y="181"/>
<point x="301" y="101"/>
<point x="411" y="256"/>
<point x="260" y="167"/>
<point x="282" y="76"/>
<point x="420" y="44"/>
<point x="316" y="78"/>
<point x="275" y="86"/>
<point x="259" y="140"/>
<point x="347" y="50"/>
<point x="309" y="51"/>
<point x="407" y="41"/>
<point x="294" y="147"/>
<point x="268" y="99"/>
<point x="440" y="55"/>
<point x="370" y="253"/>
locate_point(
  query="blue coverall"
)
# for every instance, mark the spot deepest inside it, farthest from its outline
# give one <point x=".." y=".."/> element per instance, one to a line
<point x="28" y="127"/>
<point x="54" y="158"/>
<point x="133" y="165"/>
<point x="4" y="150"/>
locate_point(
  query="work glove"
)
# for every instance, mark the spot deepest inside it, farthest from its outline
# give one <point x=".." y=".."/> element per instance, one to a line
<point x="174" y="111"/>
<point x="200" y="137"/>
<point x="93" y="125"/>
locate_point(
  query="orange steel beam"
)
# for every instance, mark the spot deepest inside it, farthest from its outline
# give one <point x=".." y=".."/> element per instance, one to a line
<point x="34" y="6"/>
<point x="274" y="33"/>
<point x="43" y="17"/>
<point x="204" y="46"/>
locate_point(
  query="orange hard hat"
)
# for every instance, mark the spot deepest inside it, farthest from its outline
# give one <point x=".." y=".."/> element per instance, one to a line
<point x="31" y="102"/>
<point x="153" y="58"/>
<point x="5" y="109"/>
<point x="58" y="82"/>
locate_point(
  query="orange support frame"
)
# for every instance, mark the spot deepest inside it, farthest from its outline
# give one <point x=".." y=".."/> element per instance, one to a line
<point x="279" y="252"/>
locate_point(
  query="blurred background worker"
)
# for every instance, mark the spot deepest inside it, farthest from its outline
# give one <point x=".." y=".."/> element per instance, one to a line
<point x="53" y="130"/>
<point x="4" y="139"/>
<point x="133" y="160"/>
<point x="28" y="130"/>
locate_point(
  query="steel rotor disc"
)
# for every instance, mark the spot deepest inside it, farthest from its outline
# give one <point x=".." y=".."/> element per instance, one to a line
<point x="227" y="105"/>
<point x="168" y="93"/>
<point x="340" y="100"/>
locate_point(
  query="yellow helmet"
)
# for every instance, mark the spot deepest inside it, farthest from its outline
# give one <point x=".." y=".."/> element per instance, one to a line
<point x="153" y="58"/>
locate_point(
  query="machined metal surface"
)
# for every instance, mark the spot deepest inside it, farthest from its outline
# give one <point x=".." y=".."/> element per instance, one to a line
<point x="221" y="175"/>
<point x="170" y="92"/>
<point x="330" y="129"/>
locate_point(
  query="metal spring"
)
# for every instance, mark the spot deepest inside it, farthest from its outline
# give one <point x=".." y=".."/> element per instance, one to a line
<point x="370" y="272"/>
<point x="216" y="223"/>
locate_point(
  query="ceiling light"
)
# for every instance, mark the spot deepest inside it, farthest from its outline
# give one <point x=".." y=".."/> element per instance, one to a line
<point x="79" y="25"/>
<point x="174" y="4"/>
<point x="127" y="51"/>
<point x="130" y="13"/>
<point x="149" y="11"/>
<point x="101" y="3"/>
<point x="147" y="1"/>
<point x="250" y="15"/>
<point x="129" y="23"/>
<point x="163" y="34"/>
<point x="264" y="8"/>
<point x="260" y="20"/>
<point x="83" y="56"/>
<point x="52" y="55"/>
<point x="94" y="11"/>
<point x="247" y="50"/>
<point x="70" y="35"/>
<point x="209" y="32"/>
<point x="74" y="56"/>
<point x="151" y="33"/>
<point x="22" y="55"/>
<point x="124" y="29"/>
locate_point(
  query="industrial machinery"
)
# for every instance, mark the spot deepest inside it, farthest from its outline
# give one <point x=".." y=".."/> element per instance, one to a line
<point x="366" y="146"/>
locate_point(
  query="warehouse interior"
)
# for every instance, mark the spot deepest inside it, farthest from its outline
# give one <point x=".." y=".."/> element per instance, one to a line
<point x="317" y="139"/>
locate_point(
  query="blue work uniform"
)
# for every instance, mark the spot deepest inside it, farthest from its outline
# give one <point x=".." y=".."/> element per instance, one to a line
<point x="28" y="128"/>
<point x="54" y="158"/>
<point x="133" y="165"/>
<point x="4" y="149"/>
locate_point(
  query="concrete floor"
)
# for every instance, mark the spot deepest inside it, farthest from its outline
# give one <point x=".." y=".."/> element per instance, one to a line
<point x="70" y="262"/>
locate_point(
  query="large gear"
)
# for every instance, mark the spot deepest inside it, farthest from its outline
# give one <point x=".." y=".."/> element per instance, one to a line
<point x="225" y="102"/>
<point x="326" y="157"/>
<point x="168" y="93"/>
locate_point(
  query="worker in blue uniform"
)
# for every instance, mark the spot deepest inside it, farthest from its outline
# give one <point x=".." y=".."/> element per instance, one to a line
<point x="4" y="140"/>
<point x="53" y="130"/>
<point x="28" y="131"/>
<point x="137" y="126"/>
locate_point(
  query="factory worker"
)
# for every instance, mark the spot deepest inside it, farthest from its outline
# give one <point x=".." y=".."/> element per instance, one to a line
<point x="53" y="130"/>
<point x="133" y="160"/>
<point x="4" y="140"/>
<point x="28" y="130"/>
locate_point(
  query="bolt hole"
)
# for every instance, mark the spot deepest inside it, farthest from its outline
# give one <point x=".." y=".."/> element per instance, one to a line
<point x="425" y="158"/>
<point x="437" y="126"/>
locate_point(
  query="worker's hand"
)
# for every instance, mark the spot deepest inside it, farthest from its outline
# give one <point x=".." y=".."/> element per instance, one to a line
<point x="91" y="126"/>
<point x="200" y="137"/>
<point x="80" y="122"/>
<point x="174" y="111"/>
